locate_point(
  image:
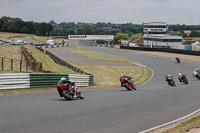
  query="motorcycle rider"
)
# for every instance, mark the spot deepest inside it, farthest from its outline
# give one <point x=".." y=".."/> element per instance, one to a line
<point x="177" y="59"/>
<point x="180" y="77"/>
<point x="196" y="71"/>
<point x="69" y="84"/>
<point x="169" y="78"/>
<point x="124" y="79"/>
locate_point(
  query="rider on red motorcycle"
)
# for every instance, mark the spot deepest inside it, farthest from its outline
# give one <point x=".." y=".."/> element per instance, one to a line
<point x="123" y="79"/>
<point x="127" y="82"/>
<point x="180" y="77"/>
<point x="69" y="84"/>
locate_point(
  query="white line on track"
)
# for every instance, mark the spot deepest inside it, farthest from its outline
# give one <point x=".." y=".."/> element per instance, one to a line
<point x="171" y="122"/>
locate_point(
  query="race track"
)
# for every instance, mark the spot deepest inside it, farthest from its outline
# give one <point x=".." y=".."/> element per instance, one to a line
<point x="109" y="110"/>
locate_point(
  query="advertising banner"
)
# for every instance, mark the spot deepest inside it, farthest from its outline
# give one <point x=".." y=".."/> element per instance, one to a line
<point x="90" y="37"/>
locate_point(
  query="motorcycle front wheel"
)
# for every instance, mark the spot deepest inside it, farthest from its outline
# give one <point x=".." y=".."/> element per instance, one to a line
<point x="81" y="96"/>
<point x="185" y="81"/>
<point x="128" y="86"/>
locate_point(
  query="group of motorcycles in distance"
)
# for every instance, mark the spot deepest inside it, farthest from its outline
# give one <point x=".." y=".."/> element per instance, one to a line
<point x="182" y="78"/>
<point x="69" y="90"/>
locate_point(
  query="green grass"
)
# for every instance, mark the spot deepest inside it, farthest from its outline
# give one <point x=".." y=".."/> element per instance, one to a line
<point x="39" y="38"/>
<point x="8" y="51"/>
<point x="45" y="38"/>
<point x="27" y="90"/>
<point x="47" y="63"/>
<point x="17" y="36"/>
<point x="5" y="51"/>
<point x="99" y="56"/>
<point x="106" y="76"/>
<point x="185" y="126"/>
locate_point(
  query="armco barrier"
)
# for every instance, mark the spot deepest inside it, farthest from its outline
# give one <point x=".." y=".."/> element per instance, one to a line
<point x="14" y="81"/>
<point x="168" y="50"/>
<point x="53" y="46"/>
<point x="47" y="80"/>
<point x="33" y="80"/>
<point x="64" y="63"/>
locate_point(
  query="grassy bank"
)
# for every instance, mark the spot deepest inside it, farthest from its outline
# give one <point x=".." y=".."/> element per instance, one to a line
<point x="47" y="63"/>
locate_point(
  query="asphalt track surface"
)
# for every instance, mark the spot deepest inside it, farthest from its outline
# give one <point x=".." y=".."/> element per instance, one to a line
<point x="109" y="110"/>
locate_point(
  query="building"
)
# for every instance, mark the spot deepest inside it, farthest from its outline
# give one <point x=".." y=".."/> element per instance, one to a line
<point x="193" y="43"/>
<point x="156" y="34"/>
<point x="137" y="42"/>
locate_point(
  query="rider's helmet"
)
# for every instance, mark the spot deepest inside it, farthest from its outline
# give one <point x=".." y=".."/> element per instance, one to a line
<point x="63" y="78"/>
<point x="196" y="70"/>
<point x="122" y="75"/>
<point x="179" y="74"/>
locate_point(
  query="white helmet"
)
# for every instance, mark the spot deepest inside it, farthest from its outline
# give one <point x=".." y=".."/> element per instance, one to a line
<point x="179" y="74"/>
<point x="63" y="78"/>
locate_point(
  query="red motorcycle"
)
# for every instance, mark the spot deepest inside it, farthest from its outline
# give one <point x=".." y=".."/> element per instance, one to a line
<point x="69" y="94"/>
<point x="128" y="83"/>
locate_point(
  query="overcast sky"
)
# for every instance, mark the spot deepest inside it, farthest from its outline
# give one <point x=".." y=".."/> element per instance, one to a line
<point x="114" y="11"/>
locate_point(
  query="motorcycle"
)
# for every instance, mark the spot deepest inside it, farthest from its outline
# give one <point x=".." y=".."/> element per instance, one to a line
<point x="128" y="83"/>
<point x="171" y="82"/>
<point x="184" y="79"/>
<point x="197" y="75"/>
<point x="177" y="59"/>
<point x="68" y="93"/>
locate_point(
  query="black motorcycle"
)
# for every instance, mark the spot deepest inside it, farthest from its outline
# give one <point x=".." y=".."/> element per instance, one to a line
<point x="171" y="82"/>
<point x="128" y="83"/>
<point x="177" y="59"/>
<point x="184" y="79"/>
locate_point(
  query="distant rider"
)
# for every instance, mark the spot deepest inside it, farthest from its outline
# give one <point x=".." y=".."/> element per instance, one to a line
<point x="122" y="79"/>
<point x="180" y="77"/>
<point x="169" y="78"/>
<point x="196" y="71"/>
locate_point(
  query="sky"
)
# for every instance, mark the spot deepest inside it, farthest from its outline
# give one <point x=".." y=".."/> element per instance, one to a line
<point x="114" y="11"/>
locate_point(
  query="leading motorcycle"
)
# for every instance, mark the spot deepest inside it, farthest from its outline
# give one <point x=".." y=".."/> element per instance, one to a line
<point x="128" y="83"/>
<point x="69" y="93"/>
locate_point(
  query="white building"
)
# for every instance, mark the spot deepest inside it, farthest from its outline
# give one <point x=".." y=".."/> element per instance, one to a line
<point x="156" y="35"/>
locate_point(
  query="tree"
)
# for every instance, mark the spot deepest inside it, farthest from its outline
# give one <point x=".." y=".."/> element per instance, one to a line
<point x="121" y="36"/>
<point x="88" y="30"/>
<point x="137" y="36"/>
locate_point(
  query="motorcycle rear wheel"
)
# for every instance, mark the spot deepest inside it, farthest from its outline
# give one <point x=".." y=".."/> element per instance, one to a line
<point x="66" y="95"/>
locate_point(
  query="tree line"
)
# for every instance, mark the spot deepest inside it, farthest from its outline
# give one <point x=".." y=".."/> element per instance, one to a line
<point x="17" y="25"/>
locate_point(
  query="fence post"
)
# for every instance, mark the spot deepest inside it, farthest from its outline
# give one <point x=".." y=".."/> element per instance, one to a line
<point x="40" y="67"/>
<point x="2" y="63"/>
<point x="20" y="67"/>
<point x="11" y="64"/>
<point x="27" y="65"/>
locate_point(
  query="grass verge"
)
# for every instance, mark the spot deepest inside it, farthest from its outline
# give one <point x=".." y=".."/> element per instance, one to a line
<point x="107" y="76"/>
<point x="99" y="56"/>
<point x="185" y="127"/>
